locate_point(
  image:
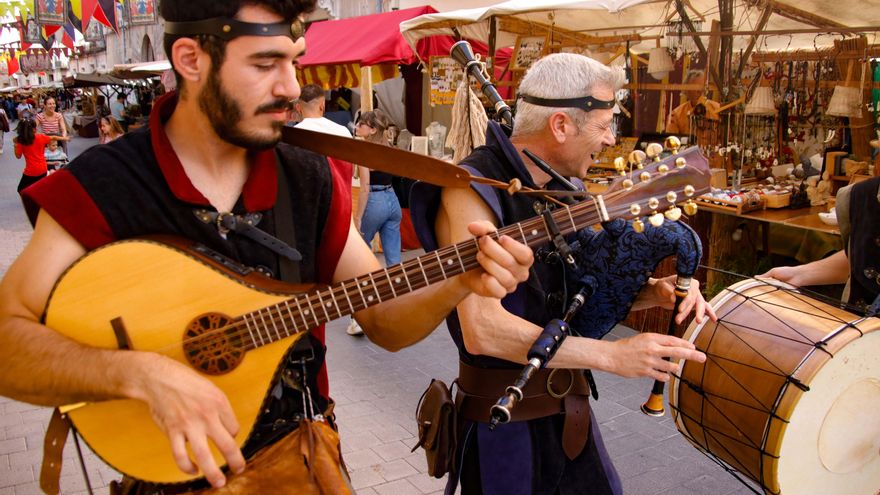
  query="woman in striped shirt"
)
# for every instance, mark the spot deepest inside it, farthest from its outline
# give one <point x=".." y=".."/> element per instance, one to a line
<point x="51" y="123"/>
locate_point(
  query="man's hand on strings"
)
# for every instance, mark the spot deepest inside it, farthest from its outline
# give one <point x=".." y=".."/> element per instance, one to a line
<point x="505" y="263"/>
<point x="192" y="411"/>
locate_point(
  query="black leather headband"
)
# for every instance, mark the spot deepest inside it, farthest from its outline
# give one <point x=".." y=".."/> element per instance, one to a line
<point x="585" y="103"/>
<point x="228" y="29"/>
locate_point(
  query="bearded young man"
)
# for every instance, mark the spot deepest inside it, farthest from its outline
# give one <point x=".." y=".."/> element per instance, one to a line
<point x="211" y="155"/>
<point x="553" y="444"/>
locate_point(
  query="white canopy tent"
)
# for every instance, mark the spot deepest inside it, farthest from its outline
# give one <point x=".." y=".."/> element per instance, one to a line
<point x="648" y="18"/>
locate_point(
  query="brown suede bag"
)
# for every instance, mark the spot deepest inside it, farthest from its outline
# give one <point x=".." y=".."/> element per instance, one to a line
<point x="307" y="461"/>
<point x="436" y="419"/>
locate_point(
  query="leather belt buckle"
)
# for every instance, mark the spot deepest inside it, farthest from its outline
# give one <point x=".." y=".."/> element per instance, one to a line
<point x="550" y="389"/>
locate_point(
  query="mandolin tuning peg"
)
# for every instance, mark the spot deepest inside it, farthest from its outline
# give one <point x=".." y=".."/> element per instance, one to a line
<point x="680" y="162"/>
<point x="627" y="184"/>
<point x="673" y="214"/>
<point x="638" y="225"/>
<point x="673" y="144"/>
<point x="636" y="158"/>
<point x="656" y="219"/>
<point x="690" y="208"/>
<point x="620" y="165"/>
<point x="663" y="169"/>
<point x="689" y="190"/>
<point x="654" y="150"/>
<point x="644" y="176"/>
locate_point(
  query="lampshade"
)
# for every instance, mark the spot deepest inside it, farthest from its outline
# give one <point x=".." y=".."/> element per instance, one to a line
<point x="761" y="102"/>
<point x="659" y="63"/>
<point x="844" y="102"/>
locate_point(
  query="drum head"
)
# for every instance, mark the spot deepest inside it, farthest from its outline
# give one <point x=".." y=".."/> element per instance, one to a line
<point x="832" y="443"/>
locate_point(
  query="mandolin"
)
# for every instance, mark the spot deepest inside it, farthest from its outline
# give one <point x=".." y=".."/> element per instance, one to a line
<point x="234" y="326"/>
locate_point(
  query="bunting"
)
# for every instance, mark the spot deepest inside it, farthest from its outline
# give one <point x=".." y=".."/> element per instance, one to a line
<point x="88" y="8"/>
<point x="46" y="39"/>
<point x="74" y="17"/>
<point x="12" y="66"/>
<point x="21" y="34"/>
<point x="105" y="13"/>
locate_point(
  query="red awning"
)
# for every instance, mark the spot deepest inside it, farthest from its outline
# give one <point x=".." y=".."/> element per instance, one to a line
<point x="366" y="40"/>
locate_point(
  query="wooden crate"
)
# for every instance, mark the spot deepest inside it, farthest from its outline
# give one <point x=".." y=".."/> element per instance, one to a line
<point x="777" y="200"/>
<point x="750" y="202"/>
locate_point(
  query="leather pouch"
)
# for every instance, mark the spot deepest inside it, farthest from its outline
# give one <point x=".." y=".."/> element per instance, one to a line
<point x="436" y="419"/>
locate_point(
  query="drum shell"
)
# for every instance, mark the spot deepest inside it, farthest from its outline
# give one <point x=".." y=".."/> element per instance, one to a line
<point x="765" y="335"/>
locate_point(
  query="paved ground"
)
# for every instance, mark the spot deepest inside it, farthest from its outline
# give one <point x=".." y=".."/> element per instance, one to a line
<point x="376" y="392"/>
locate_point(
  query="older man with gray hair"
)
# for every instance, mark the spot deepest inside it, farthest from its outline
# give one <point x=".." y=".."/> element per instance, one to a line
<point x="552" y="445"/>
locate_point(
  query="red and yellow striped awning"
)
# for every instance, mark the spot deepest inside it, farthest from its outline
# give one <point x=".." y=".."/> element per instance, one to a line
<point x="347" y="75"/>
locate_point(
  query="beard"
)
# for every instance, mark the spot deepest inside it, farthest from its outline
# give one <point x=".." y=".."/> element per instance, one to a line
<point x="225" y="115"/>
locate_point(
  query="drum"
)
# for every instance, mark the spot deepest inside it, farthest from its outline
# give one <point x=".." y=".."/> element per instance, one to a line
<point x="789" y="394"/>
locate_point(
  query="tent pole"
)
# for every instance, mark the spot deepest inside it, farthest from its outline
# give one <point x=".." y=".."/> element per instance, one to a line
<point x="366" y="89"/>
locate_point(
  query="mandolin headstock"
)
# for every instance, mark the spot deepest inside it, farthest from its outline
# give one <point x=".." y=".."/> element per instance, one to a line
<point x="653" y="187"/>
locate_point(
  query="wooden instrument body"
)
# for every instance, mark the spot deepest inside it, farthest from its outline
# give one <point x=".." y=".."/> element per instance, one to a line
<point x="181" y="287"/>
<point x="754" y="416"/>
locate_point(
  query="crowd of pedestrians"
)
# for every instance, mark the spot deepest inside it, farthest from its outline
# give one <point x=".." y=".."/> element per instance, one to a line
<point x="41" y="130"/>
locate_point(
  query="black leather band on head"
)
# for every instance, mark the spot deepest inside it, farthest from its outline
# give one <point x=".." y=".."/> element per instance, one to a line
<point x="585" y="103"/>
<point x="227" y="29"/>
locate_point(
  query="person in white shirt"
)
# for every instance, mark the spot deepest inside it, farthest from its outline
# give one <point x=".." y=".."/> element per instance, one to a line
<point x="311" y="106"/>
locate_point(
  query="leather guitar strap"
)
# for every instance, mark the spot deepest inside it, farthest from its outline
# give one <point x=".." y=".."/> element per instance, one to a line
<point x="53" y="448"/>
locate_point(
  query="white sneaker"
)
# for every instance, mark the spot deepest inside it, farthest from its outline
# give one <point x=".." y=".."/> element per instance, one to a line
<point x="354" y="328"/>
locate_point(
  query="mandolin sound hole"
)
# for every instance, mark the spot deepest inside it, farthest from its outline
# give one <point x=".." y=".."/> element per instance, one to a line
<point x="211" y="345"/>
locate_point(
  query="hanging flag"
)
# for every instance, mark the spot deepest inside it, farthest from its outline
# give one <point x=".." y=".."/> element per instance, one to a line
<point x="46" y="40"/>
<point x="74" y="18"/>
<point x="51" y="12"/>
<point x="13" y="65"/>
<point x="105" y="13"/>
<point x="67" y="40"/>
<point x="51" y="30"/>
<point x="22" y="33"/>
<point x="88" y="9"/>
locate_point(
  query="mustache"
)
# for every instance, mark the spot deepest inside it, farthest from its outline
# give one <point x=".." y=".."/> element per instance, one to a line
<point x="274" y="106"/>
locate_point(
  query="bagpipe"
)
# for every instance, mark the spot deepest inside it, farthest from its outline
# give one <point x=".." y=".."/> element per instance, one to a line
<point x="608" y="267"/>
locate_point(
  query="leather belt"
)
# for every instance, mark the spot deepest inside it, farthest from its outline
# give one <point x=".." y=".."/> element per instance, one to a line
<point x="549" y="392"/>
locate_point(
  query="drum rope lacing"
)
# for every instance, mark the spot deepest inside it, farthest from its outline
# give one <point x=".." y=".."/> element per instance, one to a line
<point x="712" y="400"/>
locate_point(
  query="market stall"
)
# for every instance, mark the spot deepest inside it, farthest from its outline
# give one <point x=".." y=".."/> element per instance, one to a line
<point x="789" y="87"/>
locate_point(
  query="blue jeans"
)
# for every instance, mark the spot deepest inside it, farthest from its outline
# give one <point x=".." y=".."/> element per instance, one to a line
<point x="383" y="215"/>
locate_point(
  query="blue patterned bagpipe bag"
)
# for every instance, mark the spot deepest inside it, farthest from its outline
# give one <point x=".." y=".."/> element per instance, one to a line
<point x="614" y="263"/>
